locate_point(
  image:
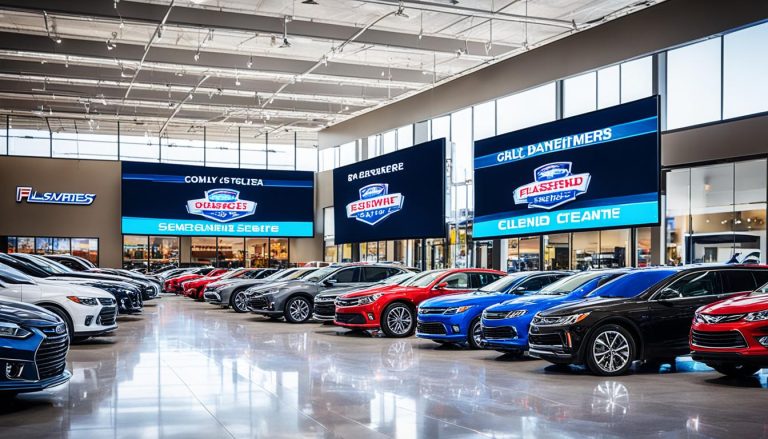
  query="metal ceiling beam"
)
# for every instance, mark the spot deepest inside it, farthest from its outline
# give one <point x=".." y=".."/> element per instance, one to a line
<point x="182" y="57"/>
<point x="207" y="18"/>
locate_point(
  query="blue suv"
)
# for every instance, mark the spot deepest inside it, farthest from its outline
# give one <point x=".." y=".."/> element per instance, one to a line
<point x="505" y="326"/>
<point x="456" y="318"/>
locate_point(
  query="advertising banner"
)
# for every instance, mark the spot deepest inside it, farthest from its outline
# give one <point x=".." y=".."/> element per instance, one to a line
<point x="164" y="199"/>
<point x="400" y="195"/>
<point x="593" y="171"/>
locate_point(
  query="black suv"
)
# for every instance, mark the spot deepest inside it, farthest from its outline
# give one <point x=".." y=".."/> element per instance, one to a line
<point x="608" y="333"/>
<point x="294" y="299"/>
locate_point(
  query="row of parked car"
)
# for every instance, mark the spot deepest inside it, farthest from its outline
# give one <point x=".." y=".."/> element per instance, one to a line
<point x="606" y="320"/>
<point x="48" y="302"/>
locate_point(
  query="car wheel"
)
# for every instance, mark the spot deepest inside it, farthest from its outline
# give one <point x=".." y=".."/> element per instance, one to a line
<point x="475" y="336"/>
<point x="397" y="320"/>
<point x="737" y="370"/>
<point x="611" y="351"/>
<point x="67" y="321"/>
<point x="298" y="310"/>
<point x="239" y="301"/>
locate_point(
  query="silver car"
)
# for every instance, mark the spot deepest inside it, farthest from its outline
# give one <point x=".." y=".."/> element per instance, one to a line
<point x="232" y="292"/>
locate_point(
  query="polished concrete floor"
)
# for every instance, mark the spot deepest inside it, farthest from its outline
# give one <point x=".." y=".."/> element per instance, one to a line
<point x="186" y="369"/>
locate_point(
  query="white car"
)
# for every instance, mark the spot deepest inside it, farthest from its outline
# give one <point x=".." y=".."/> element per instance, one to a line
<point x="87" y="311"/>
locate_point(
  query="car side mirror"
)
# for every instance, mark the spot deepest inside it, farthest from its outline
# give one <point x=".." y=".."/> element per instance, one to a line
<point x="520" y="290"/>
<point x="668" y="294"/>
<point x="441" y="286"/>
<point x="330" y="282"/>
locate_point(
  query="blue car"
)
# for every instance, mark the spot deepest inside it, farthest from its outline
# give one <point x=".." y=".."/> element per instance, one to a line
<point x="33" y="348"/>
<point x="505" y="326"/>
<point x="456" y="318"/>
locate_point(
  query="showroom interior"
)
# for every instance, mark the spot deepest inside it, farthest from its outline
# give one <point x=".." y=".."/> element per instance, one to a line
<point x="213" y="172"/>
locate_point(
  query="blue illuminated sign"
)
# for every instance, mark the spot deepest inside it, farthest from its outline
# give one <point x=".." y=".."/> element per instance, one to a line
<point x="26" y="193"/>
<point x="163" y="199"/>
<point x="592" y="171"/>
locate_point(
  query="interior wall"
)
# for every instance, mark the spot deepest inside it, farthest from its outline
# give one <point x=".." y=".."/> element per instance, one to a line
<point x="99" y="220"/>
<point x="668" y="24"/>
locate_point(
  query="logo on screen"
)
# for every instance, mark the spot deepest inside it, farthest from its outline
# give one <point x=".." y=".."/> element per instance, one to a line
<point x="375" y="204"/>
<point x="554" y="186"/>
<point x="221" y="205"/>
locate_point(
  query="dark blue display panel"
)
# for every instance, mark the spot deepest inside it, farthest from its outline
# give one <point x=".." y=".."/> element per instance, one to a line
<point x="592" y="171"/>
<point x="160" y="199"/>
<point x="400" y="195"/>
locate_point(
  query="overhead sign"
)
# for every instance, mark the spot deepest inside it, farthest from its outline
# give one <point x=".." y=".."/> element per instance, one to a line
<point x="28" y="194"/>
<point x="592" y="171"/>
<point x="168" y="199"/>
<point x="400" y="195"/>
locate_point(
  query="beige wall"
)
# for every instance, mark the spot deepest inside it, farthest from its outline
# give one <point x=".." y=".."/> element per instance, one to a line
<point x="99" y="220"/>
<point x="668" y="24"/>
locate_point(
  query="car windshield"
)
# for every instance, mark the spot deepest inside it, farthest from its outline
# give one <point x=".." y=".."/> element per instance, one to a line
<point x="231" y="274"/>
<point x="760" y="291"/>
<point x="424" y="279"/>
<point x="52" y="266"/>
<point x="28" y="268"/>
<point x="570" y="283"/>
<point x="302" y="273"/>
<point x="632" y="284"/>
<point x="397" y="279"/>
<point x="501" y="285"/>
<point x="321" y="274"/>
<point x="12" y="275"/>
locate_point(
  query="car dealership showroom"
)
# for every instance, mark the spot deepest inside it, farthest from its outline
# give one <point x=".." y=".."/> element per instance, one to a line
<point x="383" y="218"/>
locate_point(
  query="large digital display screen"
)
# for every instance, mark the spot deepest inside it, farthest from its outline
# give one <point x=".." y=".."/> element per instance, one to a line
<point x="165" y="199"/>
<point x="593" y="171"/>
<point x="400" y="195"/>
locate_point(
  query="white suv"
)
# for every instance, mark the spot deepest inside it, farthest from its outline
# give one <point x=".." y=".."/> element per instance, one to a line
<point x="87" y="311"/>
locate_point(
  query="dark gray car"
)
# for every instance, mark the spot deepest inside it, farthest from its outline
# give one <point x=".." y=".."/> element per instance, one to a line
<point x="294" y="300"/>
<point x="232" y="292"/>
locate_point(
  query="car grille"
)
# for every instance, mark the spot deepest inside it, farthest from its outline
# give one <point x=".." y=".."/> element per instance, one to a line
<point x="350" y="318"/>
<point x="325" y="309"/>
<point x="430" y="328"/>
<point x="499" y="332"/>
<point x="494" y="315"/>
<point x="347" y="302"/>
<point x="426" y="311"/>
<point x="107" y="301"/>
<point x="258" y="302"/>
<point x="107" y="316"/>
<point x="329" y="299"/>
<point x="51" y="357"/>
<point x="719" y="339"/>
<point x="721" y="318"/>
<point x="545" y="339"/>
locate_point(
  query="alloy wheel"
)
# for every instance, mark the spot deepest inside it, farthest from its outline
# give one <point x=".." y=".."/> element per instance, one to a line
<point x="400" y="320"/>
<point x="240" y="301"/>
<point x="610" y="351"/>
<point x="299" y="310"/>
<point x="477" y="334"/>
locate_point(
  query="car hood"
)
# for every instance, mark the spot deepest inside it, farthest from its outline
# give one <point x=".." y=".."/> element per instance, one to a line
<point x="738" y="305"/>
<point x="25" y="314"/>
<point x="364" y="288"/>
<point x="285" y="285"/>
<point x="533" y="301"/>
<point x="93" y="282"/>
<point x="592" y="304"/>
<point x="468" y="299"/>
<point x="395" y="290"/>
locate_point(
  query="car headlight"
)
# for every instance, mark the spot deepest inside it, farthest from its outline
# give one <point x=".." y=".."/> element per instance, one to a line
<point x="456" y="310"/>
<point x="90" y="301"/>
<point x="756" y="316"/>
<point x="516" y="313"/>
<point x="12" y="330"/>
<point x="366" y="300"/>
<point x="561" y="320"/>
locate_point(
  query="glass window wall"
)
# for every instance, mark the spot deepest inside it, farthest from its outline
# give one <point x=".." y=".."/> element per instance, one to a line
<point x="745" y="70"/>
<point x="693" y="84"/>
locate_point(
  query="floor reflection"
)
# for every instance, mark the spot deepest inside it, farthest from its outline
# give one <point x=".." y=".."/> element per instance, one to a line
<point x="191" y="370"/>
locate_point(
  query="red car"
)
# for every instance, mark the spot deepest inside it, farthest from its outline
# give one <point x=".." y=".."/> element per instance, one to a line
<point x="173" y="285"/>
<point x="194" y="288"/>
<point x="731" y="336"/>
<point x="394" y="311"/>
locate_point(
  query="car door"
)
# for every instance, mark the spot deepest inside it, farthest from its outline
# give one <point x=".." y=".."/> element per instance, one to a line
<point x="375" y="274"/>
<point x="454" y="283"/>
<point x="673" y="307"/>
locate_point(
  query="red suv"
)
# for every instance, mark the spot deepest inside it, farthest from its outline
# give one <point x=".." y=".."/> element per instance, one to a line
<point x="394" y="311"/>
<point x="731" y="336"/>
